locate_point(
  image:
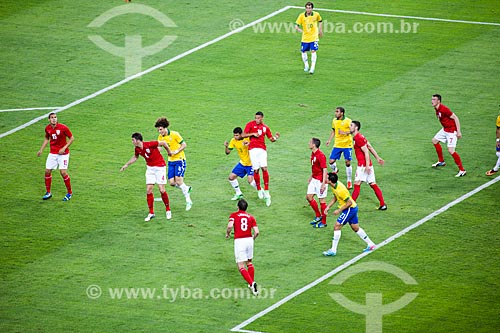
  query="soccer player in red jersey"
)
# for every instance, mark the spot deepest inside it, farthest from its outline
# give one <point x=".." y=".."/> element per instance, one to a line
<point x="257" y="131"/>
<point x="243" y="224"/>
<point x="365" y="171"/>
<point x="450" y="133"/>
<point x="156" y="171"/>
<point x="57" y="135"/>
<point x="317" y="183"/>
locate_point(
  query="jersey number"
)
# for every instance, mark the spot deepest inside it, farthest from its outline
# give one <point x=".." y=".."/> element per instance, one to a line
<point x="244" y="224"/>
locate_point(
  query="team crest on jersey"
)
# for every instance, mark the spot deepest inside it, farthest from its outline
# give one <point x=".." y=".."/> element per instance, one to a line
<point x="148" y="151"/>
<point x="58" y="132"/>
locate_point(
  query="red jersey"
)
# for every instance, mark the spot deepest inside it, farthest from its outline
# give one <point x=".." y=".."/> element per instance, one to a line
<point x="360" y="141"/>
<point x="444" y="113"/>
<point x="242" y="223"/>
<point x="318" y="163"/>
<point x="263" y="130"/>
<point x="57" y="136"/>
<point x="151" y="154"/>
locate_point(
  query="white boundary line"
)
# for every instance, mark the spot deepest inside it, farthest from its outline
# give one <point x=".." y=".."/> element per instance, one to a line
<point x="402" y="16"/>
<point x="239" y="327"/>
<point x="149" y="70"/>
<point x="31" y="109"/>
<point x="213" y="41"/>
<point x="345" y="265"/>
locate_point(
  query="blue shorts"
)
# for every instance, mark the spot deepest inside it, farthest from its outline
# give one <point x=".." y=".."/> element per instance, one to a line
<point x="304" y="47"/>
<point x="350" y="215"/>
<point x="176" y="169"/>
<point x="241" y="171"/>
<point x="337" y="152"/>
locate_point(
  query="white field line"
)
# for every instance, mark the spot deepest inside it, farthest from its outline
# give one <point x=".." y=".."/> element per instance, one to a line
<point x="401" y="16"/>
<point x="31" y="109"/>
<point x="149" y="70"/>
<point x="345" y="265"/>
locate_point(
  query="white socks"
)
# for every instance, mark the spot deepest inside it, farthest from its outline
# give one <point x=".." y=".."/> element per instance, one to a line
<point x="336" y="239"/>
<point x="236" y="186"/>
<point x="362" y="234"/>
<point x="348" y="172"/>
<point x="497" y="166"/>
<point x="304" y="59"/>
<point x="185" y="190"/>
<point x="313" y="61"/>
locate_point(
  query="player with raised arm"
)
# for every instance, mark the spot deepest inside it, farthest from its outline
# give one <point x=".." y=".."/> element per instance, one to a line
<point x="243" y="224"/>
<point x="155" y="171"/>
<point x="365" y="171"/>
<point x="244" y="166"/>
<point x="177" y="160"/>
<point x="257" y="131"/>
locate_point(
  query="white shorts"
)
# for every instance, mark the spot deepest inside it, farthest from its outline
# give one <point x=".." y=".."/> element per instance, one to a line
<point x="258" y="156"/>
<point x="314" y="187"/>
<point x="449" y="138"/>
<point x="362" y="176"/>
<point x="55" y="160"/>
<point x="243" y="249"/>
<point x="156" y="175"/>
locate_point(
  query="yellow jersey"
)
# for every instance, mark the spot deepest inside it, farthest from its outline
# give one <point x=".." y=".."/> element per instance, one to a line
<point x="174" y="141"/>
<point x="342" y="194"/>
<point x="309" y="26"/>
<point x="498" y="121"/>
<point x="242" y="150"/>
<point x="344" y="125"/>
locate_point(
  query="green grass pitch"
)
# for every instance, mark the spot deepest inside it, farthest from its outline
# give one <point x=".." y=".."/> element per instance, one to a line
<point x="53" y="254"/>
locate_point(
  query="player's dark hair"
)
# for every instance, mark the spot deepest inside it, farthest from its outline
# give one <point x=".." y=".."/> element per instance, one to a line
<point x="357" y="124"/>
<point x="50" y="114"/>
<point x="316" y="142"/>
<point x="237" y="130"/>
<point x="309" y="3"/>
<point x="438" y="96"/>
<point x="242" y="204"/>
<point x="332" y="176"/>
<point x="162" y="122"/>
<point x="259" y="113"/>
<point x="137" y="136"/>
<point x="341" y="109"/>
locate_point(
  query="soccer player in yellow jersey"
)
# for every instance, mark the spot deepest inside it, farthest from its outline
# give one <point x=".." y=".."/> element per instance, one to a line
<point x="348" y="213"/>
<point x="177" y="158"/>
<point x="310" y="24"/>
<point x="341" y="130"/>
<point x="244" y="166"/>
<point x="497" y="165"/>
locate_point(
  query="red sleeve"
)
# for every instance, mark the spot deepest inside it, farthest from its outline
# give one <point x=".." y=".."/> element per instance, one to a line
<point x="248" y="128"/>
<point x="360" y="140"/>
<point x="254" y="222"/>
<point x="322" y="161"/>
<point x="67" y="132"/>
<point x="269" y="134"/>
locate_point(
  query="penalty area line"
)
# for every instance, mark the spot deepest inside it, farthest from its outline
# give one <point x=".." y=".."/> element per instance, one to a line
<point x="239" y="328"/>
